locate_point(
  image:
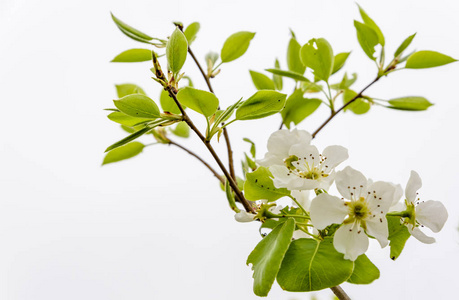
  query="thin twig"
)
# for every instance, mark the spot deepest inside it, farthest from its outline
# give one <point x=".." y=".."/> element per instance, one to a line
<point x="200" y="159"/>
<point x="343" y="107"/>
<point x="340" y="293"/>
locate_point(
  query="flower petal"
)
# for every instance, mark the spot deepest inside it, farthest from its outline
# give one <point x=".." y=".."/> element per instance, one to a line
<point x="349" y="178"/>
<point x="244" y="216"/>
<point x="398" y="193"/>
<point x="303" y="198"/>
<point x="299" y="234"/>
<point x="308" y="156"/>
<point x="378" y="228"/>
<point x="380" y="196"/>
<point x="420" y="236"/>
<point x="350" y="242"/>
<point x="431" y="214"/>
<point x="326" y="210"/>
<point x="413" y="185"/>
<point x="282" y="176"/>
<point x="333" y="156"/>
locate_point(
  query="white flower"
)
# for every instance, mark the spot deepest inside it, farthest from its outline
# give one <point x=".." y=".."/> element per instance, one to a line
<point x="431" y="214"/>
<point x="364" y="211"/>
<point x="305" y="169"/>
<point x="279" y="144"/>
<point x="244" y="216"/>
<point x="301" y="197"/>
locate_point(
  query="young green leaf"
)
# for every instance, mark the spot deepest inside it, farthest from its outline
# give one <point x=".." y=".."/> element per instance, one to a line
<point x="261" y="104"/>
<point x="345" y="83"/>
<point x="129" y="138"/>
<point x="289" y="74"/>
<point x="359" y="106"/>
<point x="123" y="152"/>
<point x="317" y="54"/>
<point x="311" y="265"/>
<point x="297" y="108"/>
<point x="259" y="185"/>
<point x="398" y="235"/>
<point x="133" y="55"/>
<point x="168" y="104"/>
<point x="267" y="257"/>
<point x="125" y="120"/>
<point x="191" y="31"/>
<point x="410" y="103"/>
<point x="252" y="146"/>
<point x="131" y="31"/>
<point x="294" y="63"/>
<point x="200" y="101"/>
<point x="236" y="45"/>
<point x="261" y="81"/>
<point x="128" y="89"/>
<point x="370" y="23"/>
<point x="427" y="59"/>
<point x="404" y="45"/>
<point x="138" y="105"/>
<point x="277" y="79"/>
<point x="182" y="130"/>
<point x="365" y="272"/>
<point x="176" y="51"/>
<point x="368" y="38"/>
<point x="339" y="61"/>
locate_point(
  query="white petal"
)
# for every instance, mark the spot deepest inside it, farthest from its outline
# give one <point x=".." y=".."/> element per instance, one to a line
<point x="431" y="214"/>
<point x="377" y="227"/>
<point x="303" y="198"/>
<point x="380" y="196"/>
<point x="333" y="156"/>
<point x="308" y="156"/>
<point x="326" y="182"/>
<point x="398" y="193"/>
<point x="349" y="178"/>
<point x="420" y="236"/>
<point x="304" y="184"/>
<point x="350" y="242"/>
<point x="326" y="210"/>
<point x="282" y="176"/>
<point x="244" y="216"/>
<point x="413" y="185"/>
<point x="400" y="206"/>
<point x="299" y="234"/>
<point x="271" y="160"/>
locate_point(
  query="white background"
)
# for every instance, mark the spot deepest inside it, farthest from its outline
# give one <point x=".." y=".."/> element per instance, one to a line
<point x="158" y="226"/>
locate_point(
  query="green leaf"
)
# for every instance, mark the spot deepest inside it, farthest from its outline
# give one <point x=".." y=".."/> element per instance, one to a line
<point x="128" y="89"/>
<point x="365" y="272"/>
<point x="427" y="59"/>
<point x="261" y="104"/>
<point x="398" y="235"/>
<point x="317" y="54"/>
<point x="297" y="108"/>
<point x="277" y="79"/>
<point x="267" y="257"/>
<point x="129" y="138"/>
<point x="294" y="63"/>
<point x="191" y="31"/>
<point x="236" y="45"/>
<point x="289" y="74"/>
<point x="368" y="38"/>
<point x="370" y="23"/>
<point x="125" y="120"/>
<point x="410" y="103"/>
<point x="182" y="130"/>
<point x="404" y="45"/>
<point x="168" y="104"/>
<point x="123" y="152"/>
<point x="138" y="105"/>
<point x="261" y="81"/>
<point x="259" y="185"/>
<point x="340" y="59"/>
<point x="133" y="55"/>
<point x="176" y="51"/>
<point x="311" y="87"/>
<point x="345" y="83"/>
<point x="200" y="101"/>
<point x="131" y="31"/>
<point x="359" y="106"/>
<point x="252" y="146"/>
<point x="311" y="265"/>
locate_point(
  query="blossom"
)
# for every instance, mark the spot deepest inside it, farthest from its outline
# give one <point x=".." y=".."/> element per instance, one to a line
<point x="305" y="169"/>
<point x="279" y="144"/>
<point x="431" y="214"/>
<point x="363" y="212"/>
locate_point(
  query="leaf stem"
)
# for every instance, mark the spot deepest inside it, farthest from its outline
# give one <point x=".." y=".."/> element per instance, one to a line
<point x="299" y="205"/>
<point x="340" y="293"/>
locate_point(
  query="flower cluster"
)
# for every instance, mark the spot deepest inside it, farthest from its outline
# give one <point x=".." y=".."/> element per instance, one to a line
<point x="361" y="211"/>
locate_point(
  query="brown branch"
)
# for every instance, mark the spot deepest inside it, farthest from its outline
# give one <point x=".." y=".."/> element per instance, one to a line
<point x="343" y="107"/>
<point x="340" y="293"/>
<point x="200" y="159"/>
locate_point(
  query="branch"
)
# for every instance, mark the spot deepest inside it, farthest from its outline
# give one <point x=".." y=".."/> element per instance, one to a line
<point x="200" y="159"/>
<point x="340" y="293"/>
<point x="225" y="132"/>
<point x="343" y="107"/>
